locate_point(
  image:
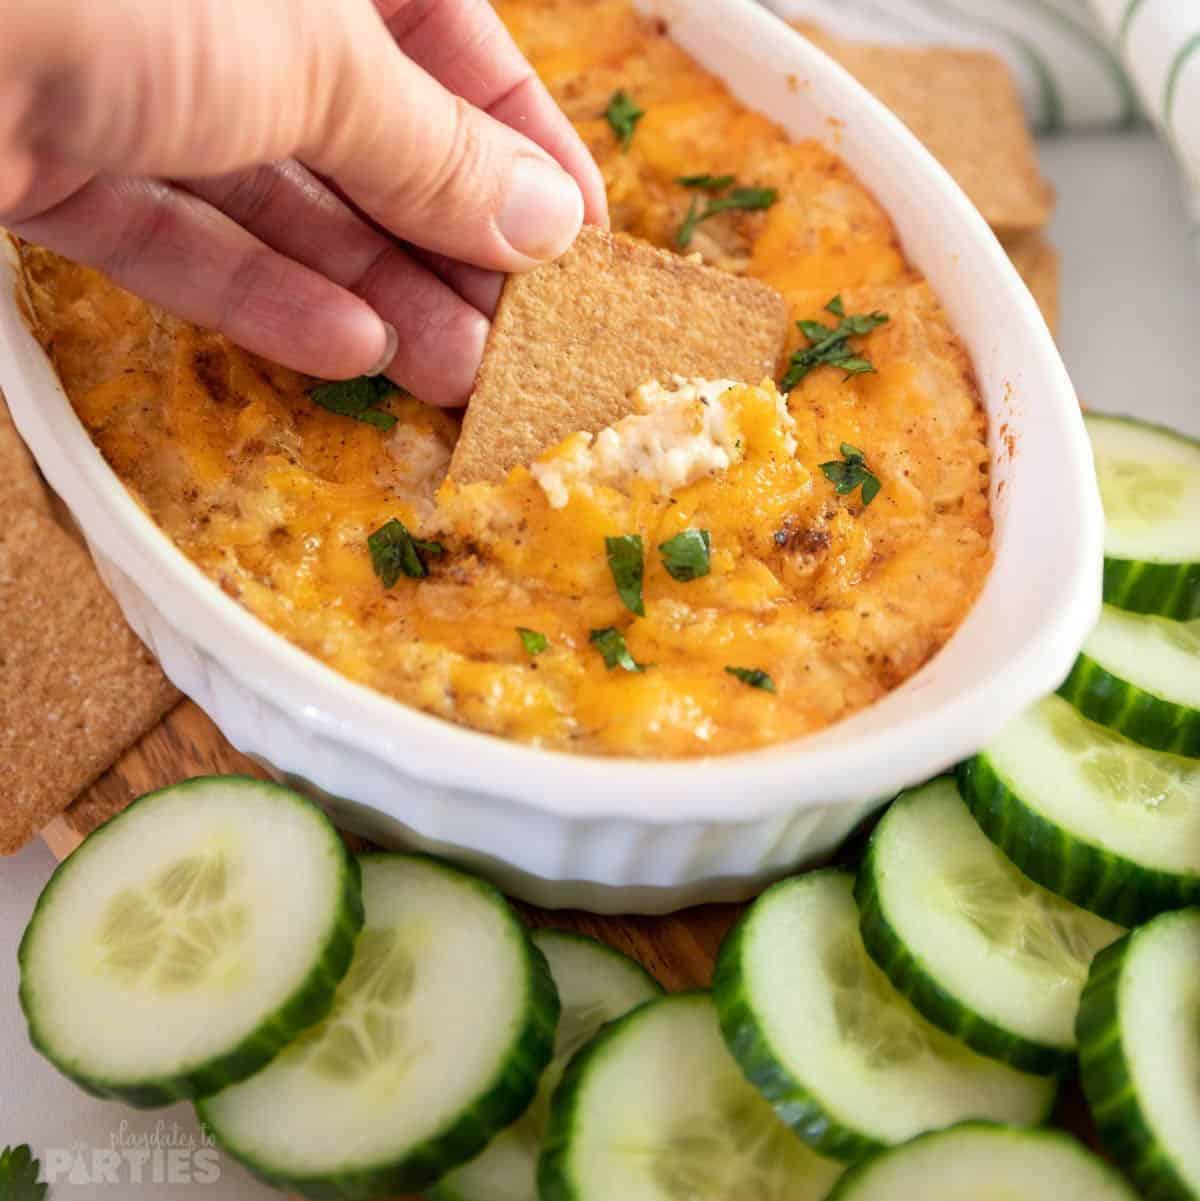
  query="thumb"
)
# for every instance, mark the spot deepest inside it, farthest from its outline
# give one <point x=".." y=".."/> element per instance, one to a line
<point x="435" y="170"/>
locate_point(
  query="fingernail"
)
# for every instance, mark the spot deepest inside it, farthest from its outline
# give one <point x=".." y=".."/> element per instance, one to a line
<point x="390" y="346"/>
<point x="543" y="210"/>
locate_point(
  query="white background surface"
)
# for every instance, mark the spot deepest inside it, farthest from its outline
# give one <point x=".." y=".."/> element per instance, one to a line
<point x="1131" y="337"/>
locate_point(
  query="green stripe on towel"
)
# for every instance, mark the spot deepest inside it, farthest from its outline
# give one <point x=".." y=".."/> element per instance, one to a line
<point x="1098" y="50"/>
<point x="1173" y="77"/>
<point x="1126" y="25"/>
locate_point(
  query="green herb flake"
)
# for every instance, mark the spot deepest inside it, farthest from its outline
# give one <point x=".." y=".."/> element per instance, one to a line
<point x="610" y="642"/>
<point x="829" y="345"/>
<point x="395" y="552"/>
<point x="626" y="561"/>
<point x="852" y="473"/>
<point x="19" y="1175"/>
<point x="706" y="183"/>
<point x="358" y="398"/>
<point x="686" y="556"/>
<point x="749" y="199"/>
<point x="754" y="677"/>
<point x="623" y="115"/>
<point x="688" y="229"/>
<point x="533" y="641"/>
<point x="742" y="199"/>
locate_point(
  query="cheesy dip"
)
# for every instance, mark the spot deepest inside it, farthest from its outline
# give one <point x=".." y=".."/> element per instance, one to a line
<point x="734" y="564"/>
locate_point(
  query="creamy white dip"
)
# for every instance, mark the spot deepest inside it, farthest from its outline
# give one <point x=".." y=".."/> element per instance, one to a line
<point x="677" y="434"/>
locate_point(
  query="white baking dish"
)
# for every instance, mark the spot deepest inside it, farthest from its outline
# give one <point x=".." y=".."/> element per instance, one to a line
<point x="628" y="835"/>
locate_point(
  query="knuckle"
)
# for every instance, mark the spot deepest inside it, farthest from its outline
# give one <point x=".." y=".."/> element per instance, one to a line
<point x="252" y="194"/>
<point x="388" y="257"/>
<point x="455" y="177"/>
<point x="149" y="226"/>
<point x="253" y="279"/>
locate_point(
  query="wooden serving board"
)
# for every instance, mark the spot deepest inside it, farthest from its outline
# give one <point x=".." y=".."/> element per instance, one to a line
<point x="677" y="949"/>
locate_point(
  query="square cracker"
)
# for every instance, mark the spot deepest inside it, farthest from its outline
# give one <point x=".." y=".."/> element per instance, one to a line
<point x="76" y="685"/>
<point x="1037" y="262"/>
<point x="964" y="106"/>
<point x="572" y="339"/>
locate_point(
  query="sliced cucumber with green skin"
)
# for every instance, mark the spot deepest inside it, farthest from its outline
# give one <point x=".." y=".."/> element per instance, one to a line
<point x="847" y="1062"/>
<point x="980" y="950"/>
<point x="1150" y="485"/>
<point x="189" y="939"/>
<point x="1097" y="819"/>
<point x="981" y="1161"/>
<point x="435" y="1043"/>
<point x="595" y="985"/>
<point x="654" y="1109"/>
<point x="1140" y="676"/>
<point x="1139" y="1054"/>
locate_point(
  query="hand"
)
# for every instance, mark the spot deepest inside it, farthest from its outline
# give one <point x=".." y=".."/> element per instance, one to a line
<point x="334" y="184"/>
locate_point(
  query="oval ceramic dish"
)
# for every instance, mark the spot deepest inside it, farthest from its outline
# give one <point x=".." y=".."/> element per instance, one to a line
<point x="629" y="835"/>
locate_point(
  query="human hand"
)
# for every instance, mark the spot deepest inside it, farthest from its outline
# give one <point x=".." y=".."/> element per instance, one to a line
<point x="334" y="184"/>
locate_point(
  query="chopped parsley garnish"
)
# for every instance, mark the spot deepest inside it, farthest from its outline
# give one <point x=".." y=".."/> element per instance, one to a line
<point x="19" y="1175"/>
<point x="754" y="677"/>
<point x="626" y="562"/>
<point x="830" y="345"/>
<point x="358" y="398"/>
<point x="706" y="183"/>
<point x="686" y="556"/>
<point x="853" y="472"/>
<point x="395" y="552"/>
<point x="743" y="199"/>
<point x="610" y="642"/>
<point x="623" y="115"/>
<point x="533" y="641"/>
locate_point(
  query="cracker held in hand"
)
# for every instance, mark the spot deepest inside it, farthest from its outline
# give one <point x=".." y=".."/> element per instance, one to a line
<point x="572" y="340"/>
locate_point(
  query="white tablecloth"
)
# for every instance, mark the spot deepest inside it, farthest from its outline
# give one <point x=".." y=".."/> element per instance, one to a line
<point x="1130" y="302"/>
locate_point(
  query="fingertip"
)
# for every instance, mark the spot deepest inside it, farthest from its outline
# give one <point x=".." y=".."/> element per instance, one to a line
<point x="320" y="329"/>
<point x="542" y="212"/>
<point x="597" y="215"/>
<point x="439" y="361"/>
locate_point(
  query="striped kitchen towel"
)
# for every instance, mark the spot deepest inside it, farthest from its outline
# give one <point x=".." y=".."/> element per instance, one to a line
<point x="1158" y="41"/>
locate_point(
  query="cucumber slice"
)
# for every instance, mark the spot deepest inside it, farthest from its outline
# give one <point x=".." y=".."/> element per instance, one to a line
<point x="1140" y="676"/>
<point x="1139" y="1054"/>
<point x="980" y="950"/>
<point x="436" y="1041"/>
<point x="189" y="939"/>
<point x="844" y="1058"/>
<point x="654" y="1109"/>
<point x="1105" y="823"/>
<point x="979" y="1161"/>
<point x="1150" y="485"/>
<point x="595" y="985"/>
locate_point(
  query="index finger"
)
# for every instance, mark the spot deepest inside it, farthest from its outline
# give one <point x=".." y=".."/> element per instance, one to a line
<point x="465" y="46"/>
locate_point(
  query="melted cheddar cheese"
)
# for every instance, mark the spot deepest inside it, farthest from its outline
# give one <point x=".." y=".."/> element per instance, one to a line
<point x="274" y="497"/>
